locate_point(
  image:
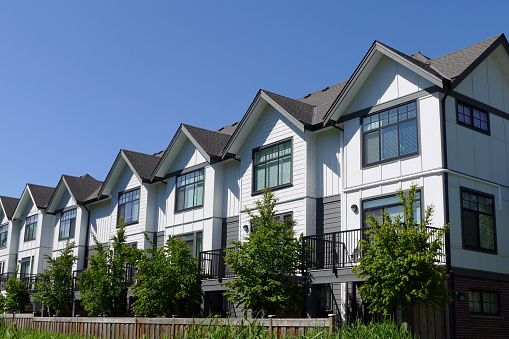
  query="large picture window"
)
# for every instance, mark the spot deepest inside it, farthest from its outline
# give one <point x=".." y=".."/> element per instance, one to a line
<point x="31" y="227"/>
<point x="472" y="117"/>
<point x="129" y="206"/>
<point x="190" y="190"/>
<point x="392" y="206"/>
<point x="67" y="225"/>
<point x="390" y="135"/>
<point x="272" y="166"/>
<point x="4" y="230"/>
<point x="478" y="221"/>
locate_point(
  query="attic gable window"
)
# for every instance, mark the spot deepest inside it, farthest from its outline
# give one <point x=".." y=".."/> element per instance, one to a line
<point x="472" y="117"/>
<point x="272" y="166"/>
<point x="390" y="134"/>
<point x="4" y="229"/>
<point x="129" y="206"/>
<point x="190" y="190"/>
<point x="31" y="227"/>
<point x="67" y="225"/>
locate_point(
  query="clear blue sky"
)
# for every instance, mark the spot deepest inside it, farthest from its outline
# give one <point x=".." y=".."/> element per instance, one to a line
<point x="80" y="80"/>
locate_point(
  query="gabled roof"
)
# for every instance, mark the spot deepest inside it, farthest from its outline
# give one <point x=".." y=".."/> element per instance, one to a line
<point x="80" y="188"/>
<point x="462" y="61"/>
<point x="209" y="143"/>
<point x="300" y="110"/>
<point x="323" y="99"/>
<point x="141" y="165"/>
<point x="8" y="205"/>
<point x="41" y="194"/>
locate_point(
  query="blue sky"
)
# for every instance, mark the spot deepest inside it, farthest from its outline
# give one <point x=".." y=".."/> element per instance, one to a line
<point x="79" y="80"/>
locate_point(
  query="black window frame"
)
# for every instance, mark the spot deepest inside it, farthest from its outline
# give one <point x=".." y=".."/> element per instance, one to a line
<point x="22" y="267"/>
<point x="378" y="130"/>
<point x="120" y="194"/>
<point x="4" y="235"/>
<point x="262" y="148"/>
<point x="380" y="207"/>
<point x="183" y="175"/>
<point x="72" y="224"/>
<point x="471" y="124"/>
<point x="197" y="239"/>
<point x="32" y="226"/>
<point x="483" y="312"/>
<point x="478" y="248"/>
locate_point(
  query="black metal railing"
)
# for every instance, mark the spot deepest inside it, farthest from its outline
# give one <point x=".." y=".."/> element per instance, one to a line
<point x="212" y="265"/>
<point x="130" y="274"/>
<point x="333" y="250"/>
<point x="341" y="249"/>
<point x="75" y="279"/>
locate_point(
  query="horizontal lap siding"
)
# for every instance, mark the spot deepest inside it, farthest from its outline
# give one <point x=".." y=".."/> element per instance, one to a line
<point x="230" y="230"/>
<point x="328" y="216"/>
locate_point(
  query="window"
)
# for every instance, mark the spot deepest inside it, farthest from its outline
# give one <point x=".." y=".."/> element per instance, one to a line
<point x="2" y="267"/>
<point x="190" y="190"/>
<point x="272" y="166"/>
<point x="129" y="206"/>
<point x="478" y="221"/>
<point x="31" y="227"/>
<point x="194" y="241"/>
<point x="4" y="229"/>
<point x="67" y="224"/>
<point x="483" y="302"/>
<point x="25" y="267"/>
<point x="392" y="205"/>
<point x="390" y="135"/>
<point x="472" y="117"/>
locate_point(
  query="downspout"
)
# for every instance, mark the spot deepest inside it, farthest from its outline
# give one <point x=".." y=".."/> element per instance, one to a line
<point x="87" y="238"/>
<point x="443" y="121"/>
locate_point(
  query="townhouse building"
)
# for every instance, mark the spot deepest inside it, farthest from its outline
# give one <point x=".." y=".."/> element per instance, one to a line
<point x="331" y="158"/>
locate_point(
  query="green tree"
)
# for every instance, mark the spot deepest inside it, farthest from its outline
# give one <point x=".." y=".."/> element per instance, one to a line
<point x="103" y="288"/>
<point x="168" y="281"/>
<point x="55" y="290"/>
<point x="400" y="260"/>
<point x="16" y="293"/>
<point x="267" y="263"/>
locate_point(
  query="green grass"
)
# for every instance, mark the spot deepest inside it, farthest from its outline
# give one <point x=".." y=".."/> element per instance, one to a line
<point x="250" y="330"/>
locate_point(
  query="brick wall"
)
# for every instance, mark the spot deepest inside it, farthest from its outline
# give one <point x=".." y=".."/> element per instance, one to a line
<point x="478" y="326"/>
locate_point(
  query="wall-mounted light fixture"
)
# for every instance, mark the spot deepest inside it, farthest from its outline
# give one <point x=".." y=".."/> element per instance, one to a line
<point x="460" y="296"/>
<point x="354" y="208"/>
<point x="246" y="228"/>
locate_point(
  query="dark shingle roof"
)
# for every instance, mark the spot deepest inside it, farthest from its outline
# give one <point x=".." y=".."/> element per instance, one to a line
<point x="323" y="99"/>
<point x="41" y="194"/>
<point x="228" y="129"/>
<point x="10" y="205"/>
<point x="455" y="63"/>
<point x="301" y="111"/>
<point x="144" y="164"/>
<point x="82" y="187"/>
<point x="212" y="142"/>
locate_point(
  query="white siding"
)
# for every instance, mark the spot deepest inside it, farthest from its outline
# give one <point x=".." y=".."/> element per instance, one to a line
<point x="188" y="156"/>
<point x="66" y="201"/>
<point x="388" y="81"/>
<point x="328" y="163"/>
<point x="230" y="189"/>
<point x="100" y="221"/>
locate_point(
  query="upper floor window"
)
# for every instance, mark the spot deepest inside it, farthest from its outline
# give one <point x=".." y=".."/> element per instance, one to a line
<point x="390" y="135"/>
<point x="67" y="224"/>
<point x="190" y="190"/>
<point x="31" y="227"/>
<point x="392" y="206"/>
<point x="272" y="166"/>
<point x="129" y="206"/>
<point x="478" y="221"/>
<point x="473" y="117"/>
<point x="25" y="269"/>
<point x="483" y="302"/>
<point x="4" y="229"/>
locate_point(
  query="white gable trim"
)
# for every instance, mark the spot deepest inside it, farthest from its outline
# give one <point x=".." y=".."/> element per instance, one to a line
<point x="196" y="144"/>
<point x="22" y="203"/>
<point x="281" y="110"/>
<point x="368" y="63"/>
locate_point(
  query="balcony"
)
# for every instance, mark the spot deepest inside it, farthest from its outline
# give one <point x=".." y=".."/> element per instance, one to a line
<point x="212" y="265"/>
<point x="339" y="250"/>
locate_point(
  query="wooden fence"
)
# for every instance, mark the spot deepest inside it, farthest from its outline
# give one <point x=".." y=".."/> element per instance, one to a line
<point x="156" y="328"/>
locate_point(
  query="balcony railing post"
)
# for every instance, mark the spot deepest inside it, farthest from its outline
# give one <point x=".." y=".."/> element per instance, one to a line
<point x="221" y="264"/>
<point x="334" y="270"/>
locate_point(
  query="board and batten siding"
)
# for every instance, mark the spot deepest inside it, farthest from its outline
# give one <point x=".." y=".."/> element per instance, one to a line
<point x="231" y="188"/>
<point x="188" y="156"/>
<point x="100" y="221"/>
<point x="273" y="127"/>
<point x="328" y="163"/>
